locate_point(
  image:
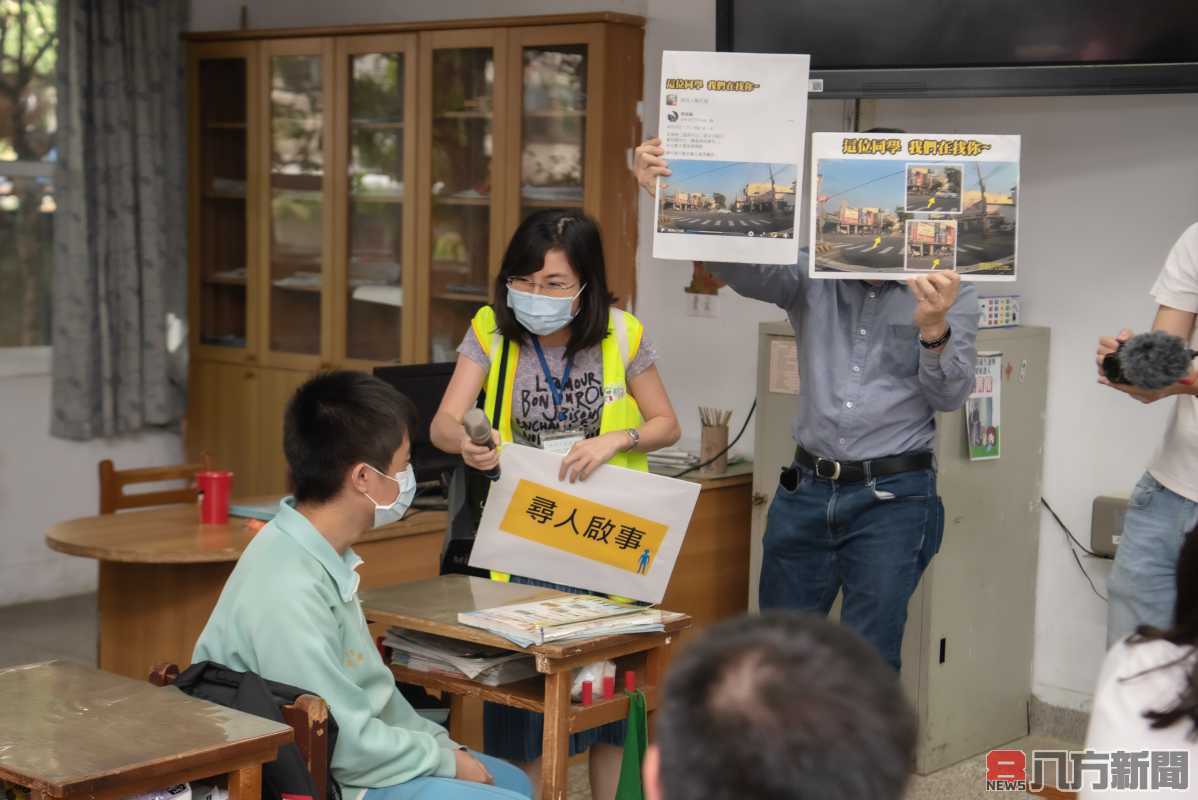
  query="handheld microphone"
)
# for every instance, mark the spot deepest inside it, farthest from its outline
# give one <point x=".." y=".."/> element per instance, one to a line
<point x="1149" y="360"/>
<point x="478" y="428"/>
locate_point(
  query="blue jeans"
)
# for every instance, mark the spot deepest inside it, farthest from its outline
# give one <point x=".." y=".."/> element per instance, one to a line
<point x="871" y="540"/>
<point x="1143" y="582"/>
<point x="510" y="784"/>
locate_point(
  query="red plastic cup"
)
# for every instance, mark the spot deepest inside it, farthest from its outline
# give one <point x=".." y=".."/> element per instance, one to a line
<point x="630" y="681"/>
<point x="587" y="693"/>
<point x="214" y="487"/>
<point x="609" y="687"/>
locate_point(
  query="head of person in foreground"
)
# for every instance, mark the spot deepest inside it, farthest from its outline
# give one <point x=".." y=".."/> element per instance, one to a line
<point x="783" y="706"/>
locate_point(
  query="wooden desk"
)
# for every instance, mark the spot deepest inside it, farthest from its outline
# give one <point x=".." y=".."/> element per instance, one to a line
<point x="711" y="577"/>
<point x="74" y="732"/>
<point x="161" y="573"/>
<point x="432" y="606"/>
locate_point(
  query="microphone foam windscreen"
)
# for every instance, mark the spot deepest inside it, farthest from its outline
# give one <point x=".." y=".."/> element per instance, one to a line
<point x="1155" y="360"/>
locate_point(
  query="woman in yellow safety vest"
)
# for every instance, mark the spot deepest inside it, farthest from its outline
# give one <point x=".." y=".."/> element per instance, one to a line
<point x="565" y="371"/>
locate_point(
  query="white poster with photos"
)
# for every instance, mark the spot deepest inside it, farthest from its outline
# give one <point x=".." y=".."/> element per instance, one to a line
<point x="892" y="206"/>
<point x="733" y="126"/>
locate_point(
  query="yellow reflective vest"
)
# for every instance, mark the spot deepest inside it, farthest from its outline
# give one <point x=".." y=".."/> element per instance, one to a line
<point x="620" y="411"/>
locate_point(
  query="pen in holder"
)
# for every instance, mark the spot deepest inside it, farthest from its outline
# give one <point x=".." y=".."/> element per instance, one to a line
<point x="714" y="441"/>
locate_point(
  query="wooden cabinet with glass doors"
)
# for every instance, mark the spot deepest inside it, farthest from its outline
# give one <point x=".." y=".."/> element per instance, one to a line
<point x="353" y="190"/>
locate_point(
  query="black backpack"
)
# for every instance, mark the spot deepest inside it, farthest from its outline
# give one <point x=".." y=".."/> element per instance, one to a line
<point x="249" y="692"/>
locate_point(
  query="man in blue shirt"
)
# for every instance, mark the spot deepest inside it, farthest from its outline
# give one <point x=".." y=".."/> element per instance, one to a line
<point x="858" y="510"/>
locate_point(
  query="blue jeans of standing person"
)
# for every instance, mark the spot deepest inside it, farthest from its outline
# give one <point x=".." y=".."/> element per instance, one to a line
<point x="1143" y="582"/>
<point x="510" y="784"/>
<point x="871" y="539"/>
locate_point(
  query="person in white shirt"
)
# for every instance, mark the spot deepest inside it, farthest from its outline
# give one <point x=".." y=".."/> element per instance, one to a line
<point x="1146" y="703"/>
<point x="1164" y="504"/>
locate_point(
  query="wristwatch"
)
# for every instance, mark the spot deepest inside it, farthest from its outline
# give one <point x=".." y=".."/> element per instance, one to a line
<point x="635" y="436"/>
<point x="938" y="343"/>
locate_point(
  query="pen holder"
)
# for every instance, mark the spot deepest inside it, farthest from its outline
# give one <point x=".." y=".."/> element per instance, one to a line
<point x="713" y="442"/>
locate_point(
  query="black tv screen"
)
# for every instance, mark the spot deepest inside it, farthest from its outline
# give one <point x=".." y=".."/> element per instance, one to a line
<point x="880" y="48"/>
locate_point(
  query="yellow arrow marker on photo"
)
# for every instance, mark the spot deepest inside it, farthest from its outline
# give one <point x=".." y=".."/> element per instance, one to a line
<point x="935" y="263"/>
<point x="877" y="241"/>
<point x="931" y="202"/>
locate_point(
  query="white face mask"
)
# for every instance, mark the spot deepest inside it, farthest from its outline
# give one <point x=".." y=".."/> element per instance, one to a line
<point x="394" y="511"/>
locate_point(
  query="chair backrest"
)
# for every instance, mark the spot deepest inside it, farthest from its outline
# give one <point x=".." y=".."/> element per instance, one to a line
<point x="308" y="716"/>
<point x="113" y="482"/>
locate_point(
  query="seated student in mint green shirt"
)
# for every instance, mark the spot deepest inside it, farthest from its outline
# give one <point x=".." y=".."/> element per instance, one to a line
<point x="290" y="610"/>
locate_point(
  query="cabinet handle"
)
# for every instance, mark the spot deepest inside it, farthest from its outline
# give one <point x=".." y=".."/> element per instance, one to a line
<point x="249" y="375"/>
<point x="251" y="358"/>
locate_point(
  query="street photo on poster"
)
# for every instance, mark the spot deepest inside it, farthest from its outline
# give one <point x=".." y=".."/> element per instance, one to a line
<point x="722" y="198"/>
<point x="983" y="409"/>
<point x="618" y="532"/>
<point x="890" y="206"/>
<point x="931" y="245"/>
<point x="733" y="127"/>
<point x="934" y="187"/>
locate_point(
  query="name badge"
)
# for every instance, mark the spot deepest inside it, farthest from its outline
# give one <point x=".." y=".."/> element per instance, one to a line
<point x="561" y="443"/>
<point x="613" y="393"/>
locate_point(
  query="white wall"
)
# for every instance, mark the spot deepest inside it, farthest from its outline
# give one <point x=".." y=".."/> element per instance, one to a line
<point x="44" y="480"/>
<point x="1108" y="184"/>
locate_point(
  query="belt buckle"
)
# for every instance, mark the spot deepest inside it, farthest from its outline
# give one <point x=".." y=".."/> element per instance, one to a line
<point x="819" y="460"/>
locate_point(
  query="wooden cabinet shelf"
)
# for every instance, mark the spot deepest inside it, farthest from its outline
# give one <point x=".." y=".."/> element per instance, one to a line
<point x="483" y="200"/>
<point x="485" y="115"/>
<point x="317" y="152"/>
<point x="463" y="297"/>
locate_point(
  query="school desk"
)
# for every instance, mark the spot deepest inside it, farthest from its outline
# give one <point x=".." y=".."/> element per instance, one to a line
<point x="161" y="573"/>
<point x="432" y="606"/>
<point x="71" y="731"/>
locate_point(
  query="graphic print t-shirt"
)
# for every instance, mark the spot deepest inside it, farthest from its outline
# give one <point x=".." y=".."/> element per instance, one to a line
<point x="533" y="411"/>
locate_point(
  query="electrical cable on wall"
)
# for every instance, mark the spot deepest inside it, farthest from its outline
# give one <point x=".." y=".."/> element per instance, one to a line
<point x="1073" y="541"/>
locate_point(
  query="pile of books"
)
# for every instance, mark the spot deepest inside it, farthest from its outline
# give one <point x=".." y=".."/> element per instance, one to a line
<point x="563" y="619"/>
<point x="491" y="666"/>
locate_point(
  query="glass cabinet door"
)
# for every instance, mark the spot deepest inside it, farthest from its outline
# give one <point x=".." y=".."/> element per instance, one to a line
<point x="297" y="232"/>
<point x="553" y="122"/>
<point x="463" y="174"/>
<point x="379" y="88"/>
<point x="220" y="80"/>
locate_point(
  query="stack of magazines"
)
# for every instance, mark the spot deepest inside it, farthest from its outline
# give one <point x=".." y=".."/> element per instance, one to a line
<point x="491" y="666"/>
<point x="672" y="458"/>
<point x="563" y="619"/>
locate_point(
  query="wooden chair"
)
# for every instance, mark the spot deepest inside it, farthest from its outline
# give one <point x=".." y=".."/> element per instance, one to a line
<point x="308" y="716"/>
<point x="113" y="482"/>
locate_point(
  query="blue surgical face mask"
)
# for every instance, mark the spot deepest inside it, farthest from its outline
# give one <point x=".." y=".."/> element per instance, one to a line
<point x="394" y="511"/>
<point x="540" y="314"/>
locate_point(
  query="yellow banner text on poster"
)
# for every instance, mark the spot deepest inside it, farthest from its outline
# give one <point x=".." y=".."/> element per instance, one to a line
<point x="583" y="528"/>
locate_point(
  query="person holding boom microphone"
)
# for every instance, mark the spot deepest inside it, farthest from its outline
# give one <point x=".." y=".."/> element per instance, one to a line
<point x="858" y="510"/>
<point x="565" y="371"/>
<point x="1164" y="503"/>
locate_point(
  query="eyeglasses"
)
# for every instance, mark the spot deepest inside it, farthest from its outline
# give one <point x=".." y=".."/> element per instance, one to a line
<point x="552" y="288"/>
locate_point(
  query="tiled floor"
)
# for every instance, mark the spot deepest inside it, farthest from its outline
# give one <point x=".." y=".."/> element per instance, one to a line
<point x="67" y="629"/>
<point x="60" y="629"/>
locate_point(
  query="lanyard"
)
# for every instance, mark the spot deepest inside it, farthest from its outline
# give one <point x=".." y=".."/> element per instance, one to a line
<point x="555" y="386"/>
